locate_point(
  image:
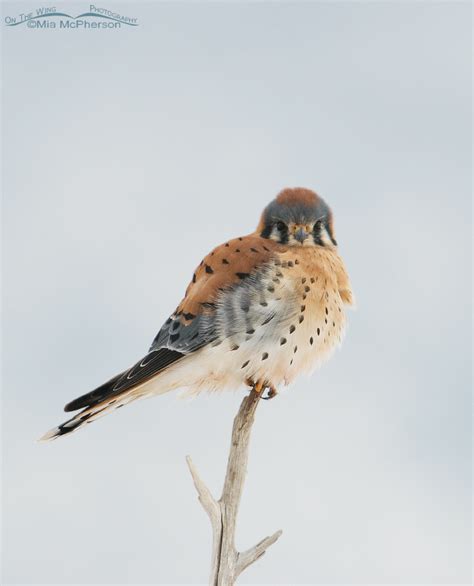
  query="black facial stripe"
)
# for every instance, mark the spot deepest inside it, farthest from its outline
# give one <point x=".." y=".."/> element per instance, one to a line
<point x="267" y="230"/>
<point x="317" y="234"/>
<point x="328" y="230"/>
<point x="281" y="234"/>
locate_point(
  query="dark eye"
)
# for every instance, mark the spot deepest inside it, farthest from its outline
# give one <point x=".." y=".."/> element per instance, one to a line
<point x="281" y="226"/>
<point x="318" y="225"/>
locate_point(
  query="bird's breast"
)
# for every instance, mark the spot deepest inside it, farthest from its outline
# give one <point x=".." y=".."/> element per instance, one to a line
<point x="282" y="322"/>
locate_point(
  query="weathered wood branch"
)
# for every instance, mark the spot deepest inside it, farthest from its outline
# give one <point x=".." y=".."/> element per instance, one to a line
<point x="227" y="562"/>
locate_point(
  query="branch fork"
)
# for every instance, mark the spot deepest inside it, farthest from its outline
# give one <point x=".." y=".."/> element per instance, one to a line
<point x="227" y="562"/>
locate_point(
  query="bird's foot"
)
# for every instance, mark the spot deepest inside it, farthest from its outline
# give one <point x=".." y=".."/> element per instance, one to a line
<point x="257" y="386"/>
<point x="261" y="386"/>
<point x="271" y="393"/>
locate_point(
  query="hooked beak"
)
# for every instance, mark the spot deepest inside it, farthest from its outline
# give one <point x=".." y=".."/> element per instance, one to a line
<point x="301" y="234"/>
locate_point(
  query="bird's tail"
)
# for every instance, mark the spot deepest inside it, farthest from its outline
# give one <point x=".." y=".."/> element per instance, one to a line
<point x="90" y="414"/>
<point x="132" y="384"/>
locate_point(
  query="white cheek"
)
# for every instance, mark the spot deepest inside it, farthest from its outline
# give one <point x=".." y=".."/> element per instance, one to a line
<point x="326" y="239"/>
<point x="275" y="234"/>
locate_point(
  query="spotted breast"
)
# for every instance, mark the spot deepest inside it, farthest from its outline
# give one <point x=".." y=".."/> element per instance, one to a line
<point x="280" y="314"/>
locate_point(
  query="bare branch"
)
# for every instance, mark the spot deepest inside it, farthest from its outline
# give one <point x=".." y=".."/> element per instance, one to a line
<point x="251" y="555"/>
<point x="210" y="505"/>
<point x="227" y="563"/>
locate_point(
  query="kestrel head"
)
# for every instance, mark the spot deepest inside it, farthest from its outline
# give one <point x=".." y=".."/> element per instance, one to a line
<point x="298" y="217"/>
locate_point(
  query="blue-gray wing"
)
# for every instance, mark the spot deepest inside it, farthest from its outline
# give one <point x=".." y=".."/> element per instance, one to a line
<point x="186" y="335"/>
<point x="198" y="320"/>
<point x="227" y="267"/>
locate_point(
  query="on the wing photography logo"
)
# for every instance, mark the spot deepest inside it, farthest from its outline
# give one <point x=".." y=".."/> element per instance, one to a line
<point x="95" y="17"/>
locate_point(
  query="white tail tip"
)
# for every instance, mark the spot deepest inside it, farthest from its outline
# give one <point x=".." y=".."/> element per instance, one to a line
<point x="50" y="435"/>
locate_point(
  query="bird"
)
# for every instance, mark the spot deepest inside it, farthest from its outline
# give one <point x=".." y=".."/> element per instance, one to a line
<point x="260" y="310"/>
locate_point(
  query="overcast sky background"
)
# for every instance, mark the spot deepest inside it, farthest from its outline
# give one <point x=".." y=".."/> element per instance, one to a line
<point x="127" y="155"/>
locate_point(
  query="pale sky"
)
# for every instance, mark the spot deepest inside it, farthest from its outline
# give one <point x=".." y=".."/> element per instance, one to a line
<point x="128" y="154"/>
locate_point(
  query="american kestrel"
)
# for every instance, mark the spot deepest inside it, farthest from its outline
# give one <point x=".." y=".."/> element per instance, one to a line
<point x="259" y="310"/>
